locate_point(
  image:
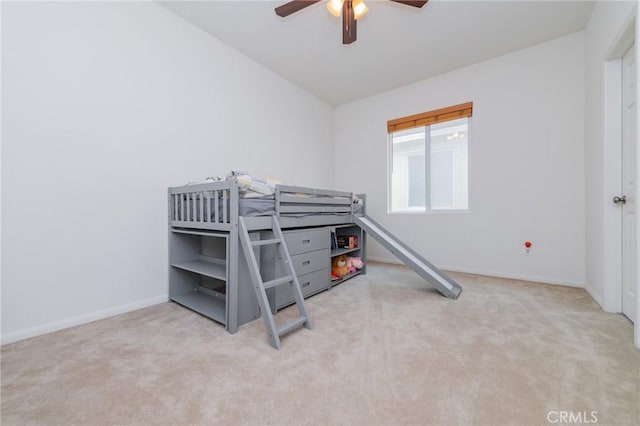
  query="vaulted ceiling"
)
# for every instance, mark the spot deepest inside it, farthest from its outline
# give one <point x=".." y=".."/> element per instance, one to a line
<point x="397" y="44"/>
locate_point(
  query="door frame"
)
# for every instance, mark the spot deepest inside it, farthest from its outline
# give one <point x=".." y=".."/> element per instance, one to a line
<point x="612" y="177"/>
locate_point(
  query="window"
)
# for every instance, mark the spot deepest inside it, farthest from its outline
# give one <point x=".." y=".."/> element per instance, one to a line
<point x="429" y="163"/>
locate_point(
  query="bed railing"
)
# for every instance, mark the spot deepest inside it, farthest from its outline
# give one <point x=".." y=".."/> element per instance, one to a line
<point x="214" y="205"/>
<point x="209" y="205"/>
<point x="297" y="201"/>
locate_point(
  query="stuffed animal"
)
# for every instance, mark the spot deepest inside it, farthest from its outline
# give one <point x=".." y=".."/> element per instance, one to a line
<point x="339" y="266"/>
<point x="357" y="262"/>
<point x="350" y="266"/>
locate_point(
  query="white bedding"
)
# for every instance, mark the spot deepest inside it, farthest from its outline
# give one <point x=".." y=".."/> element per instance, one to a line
<point x="249" y="186"/>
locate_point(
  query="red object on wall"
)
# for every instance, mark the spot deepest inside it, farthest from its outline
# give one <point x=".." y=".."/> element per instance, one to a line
<point x="527" y="244"/>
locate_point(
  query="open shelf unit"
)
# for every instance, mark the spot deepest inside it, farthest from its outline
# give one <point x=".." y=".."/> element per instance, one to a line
<point x="357" y="250"/>
<point x="198" y="272"/>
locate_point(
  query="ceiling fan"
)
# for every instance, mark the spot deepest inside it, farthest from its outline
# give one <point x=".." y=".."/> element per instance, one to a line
<point x="351" y="10"/>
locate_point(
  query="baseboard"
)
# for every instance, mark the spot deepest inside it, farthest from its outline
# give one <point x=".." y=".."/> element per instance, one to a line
<point x="488" y="273"/>
<point x="79" y="320"/>
<point x="596" y="297"/>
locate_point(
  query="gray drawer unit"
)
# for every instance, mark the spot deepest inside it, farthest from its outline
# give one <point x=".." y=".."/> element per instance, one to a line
<point x="310" y="284"/>
<point x="310" y="251"/>
<point x="306" y="240"/>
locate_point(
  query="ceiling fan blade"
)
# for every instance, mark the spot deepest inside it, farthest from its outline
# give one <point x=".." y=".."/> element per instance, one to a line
<point x="414" y="3"/>
<point x="293" y="6"/>
<point x="349" y="26"/>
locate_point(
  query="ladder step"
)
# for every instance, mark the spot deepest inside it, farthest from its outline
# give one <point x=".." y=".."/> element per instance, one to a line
<point x="265" y="242"/>
<point x="291" y="325"/>
<point x="278" y="281"/>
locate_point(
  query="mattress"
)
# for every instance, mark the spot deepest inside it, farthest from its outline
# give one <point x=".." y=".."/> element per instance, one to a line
<point x="251" y="207"/>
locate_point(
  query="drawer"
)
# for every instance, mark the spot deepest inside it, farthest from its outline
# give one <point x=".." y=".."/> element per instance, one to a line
<point x="315" y="281"/>
<point x="284" y="296"/>
<point x="309" y="283"/>
<point x="306" y="240"/>
<point x="306" y="262"/>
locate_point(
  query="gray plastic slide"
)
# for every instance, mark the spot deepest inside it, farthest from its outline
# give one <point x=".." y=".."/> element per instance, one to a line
<point x="423" y="267"/>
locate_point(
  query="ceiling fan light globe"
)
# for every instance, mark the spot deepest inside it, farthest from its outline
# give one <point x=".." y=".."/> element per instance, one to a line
<point x="359" y="9"/>
<point x="335" y="7"/>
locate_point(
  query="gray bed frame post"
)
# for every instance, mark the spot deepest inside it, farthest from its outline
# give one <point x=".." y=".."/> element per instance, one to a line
<point x="277" y="198"/>
<point x="363" y="250"/>
<point x="232" y="258"/>
<point x="363" y="197"/>
<point x="169" y="219"/>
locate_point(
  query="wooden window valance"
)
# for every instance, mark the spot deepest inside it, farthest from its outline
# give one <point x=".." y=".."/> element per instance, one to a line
<point x="430" y="117"/>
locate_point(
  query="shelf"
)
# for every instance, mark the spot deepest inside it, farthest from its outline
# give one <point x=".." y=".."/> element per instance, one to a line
<point x="213" y="268"/>
<point x="338" y="252"/>
<point x="346" y="277"/>
<point x="203" y="304"/>
<point x="201" y="233"/>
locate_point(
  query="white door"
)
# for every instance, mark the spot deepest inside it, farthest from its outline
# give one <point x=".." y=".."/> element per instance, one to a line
<point x="628" y="201"/>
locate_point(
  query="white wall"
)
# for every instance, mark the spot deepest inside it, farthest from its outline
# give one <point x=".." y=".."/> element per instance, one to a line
<point x="606" y="23"/>
<point x="526" y="164"/>
<point x="105" y="105"/>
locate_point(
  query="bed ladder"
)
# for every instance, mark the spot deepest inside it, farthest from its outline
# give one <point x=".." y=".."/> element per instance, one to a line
<point x="260" y="286"/>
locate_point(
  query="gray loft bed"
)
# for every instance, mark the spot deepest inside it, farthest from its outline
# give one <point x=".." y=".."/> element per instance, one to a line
<point x="212" y="210"/>
<point x="217" y="205"/>
<point x="204" y="240"/>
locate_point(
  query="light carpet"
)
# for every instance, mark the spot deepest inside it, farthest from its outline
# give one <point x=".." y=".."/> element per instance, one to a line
<point x="385" y="350"/>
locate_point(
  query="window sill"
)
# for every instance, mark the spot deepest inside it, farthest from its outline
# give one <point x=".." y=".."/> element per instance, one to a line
<point x="429" y="212"/>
